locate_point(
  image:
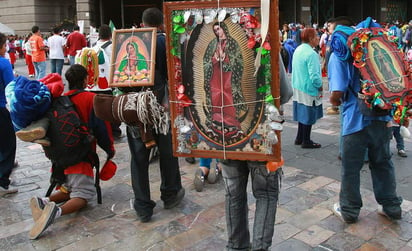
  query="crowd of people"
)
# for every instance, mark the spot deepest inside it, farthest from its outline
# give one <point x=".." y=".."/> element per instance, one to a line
<point x="307" y="53"/>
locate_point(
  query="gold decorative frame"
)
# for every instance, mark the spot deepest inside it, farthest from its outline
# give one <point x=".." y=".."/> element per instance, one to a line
<point x="136" y="69"/>
<point x="218" y="109"/>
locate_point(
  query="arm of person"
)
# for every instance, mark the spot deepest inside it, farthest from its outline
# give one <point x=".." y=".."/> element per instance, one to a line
<point x="103" y="134"/>
<point x="315" y="71"/>
<point x="338" y="79"/>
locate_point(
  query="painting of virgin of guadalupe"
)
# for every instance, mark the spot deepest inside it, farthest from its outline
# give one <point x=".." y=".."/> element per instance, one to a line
<point x="218" y="95"/>
<point x="224" y="87"/>
<point x="132" y="62"/>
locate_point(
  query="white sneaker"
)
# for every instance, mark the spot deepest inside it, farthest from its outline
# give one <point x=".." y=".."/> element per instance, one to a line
<point x="4" y="191"/>
<point x="337" y="211"/>
<point x="402" y="153"/>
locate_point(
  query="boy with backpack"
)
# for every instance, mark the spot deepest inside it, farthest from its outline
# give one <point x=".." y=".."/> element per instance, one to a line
<point x="76" y="183"/>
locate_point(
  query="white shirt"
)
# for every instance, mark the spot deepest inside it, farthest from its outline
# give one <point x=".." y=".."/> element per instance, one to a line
<point x="55" y="44"/>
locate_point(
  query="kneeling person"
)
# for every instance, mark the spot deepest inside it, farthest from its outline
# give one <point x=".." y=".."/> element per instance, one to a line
<point x="78" y="186"/>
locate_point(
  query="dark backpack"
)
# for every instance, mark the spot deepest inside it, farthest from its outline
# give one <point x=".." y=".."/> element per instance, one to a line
<point x="70" y="141"/>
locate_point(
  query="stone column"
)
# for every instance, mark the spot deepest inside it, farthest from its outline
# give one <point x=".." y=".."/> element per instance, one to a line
<point x="84" y="13"/>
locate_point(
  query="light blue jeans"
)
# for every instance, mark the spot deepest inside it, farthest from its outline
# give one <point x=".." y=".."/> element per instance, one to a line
<point x="56" y="65"/>
<point x="72" y="60"/>
<point x="265" y="187"/>
<point x="40" y="68"/>
<point x="375" y="139"/>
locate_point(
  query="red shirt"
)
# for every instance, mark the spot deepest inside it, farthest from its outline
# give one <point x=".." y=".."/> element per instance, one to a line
<point x="75" y="41"/>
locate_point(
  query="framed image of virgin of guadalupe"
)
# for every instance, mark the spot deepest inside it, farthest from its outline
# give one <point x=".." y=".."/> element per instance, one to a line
<point x="223" y="80"/>
<point x="133" y="56"/>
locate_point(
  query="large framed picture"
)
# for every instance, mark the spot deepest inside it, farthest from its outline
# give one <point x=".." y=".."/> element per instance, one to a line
<point x="223" y="101"/>
<point x="133" y="56"/>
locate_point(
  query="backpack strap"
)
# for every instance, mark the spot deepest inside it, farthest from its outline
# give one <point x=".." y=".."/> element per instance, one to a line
<point x="96" y="164"/>
<point x="104" y="46"/>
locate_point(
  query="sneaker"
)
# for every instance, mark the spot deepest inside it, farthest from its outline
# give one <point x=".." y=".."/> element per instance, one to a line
<point x="179" y="196"/>
<point x="145" y="218"/>
<point x="337" y="211"/>
<point x="9" y="190"/>
<point x="43" y="142"/>
<point x="402" y="153"/>
<point x="393" y="216"/>
<point x="45" y="220"/>
<point x="36" y="130"/>
<point x="36" y="206"/>
<point x="199" y="180"/>
<point x="213" y="174"/>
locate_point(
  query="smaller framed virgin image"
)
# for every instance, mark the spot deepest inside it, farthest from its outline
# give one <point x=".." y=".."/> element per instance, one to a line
<point x="133" y="56"/>
<point x="224" y="79"/>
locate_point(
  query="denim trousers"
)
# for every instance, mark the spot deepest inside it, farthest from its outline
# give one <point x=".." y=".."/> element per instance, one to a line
<point x="375" y="139"/>
<point x="169" y="170"/>
<point x="40" y="68"/>
<point x="72" y="60"/>
<point x="56" y="65"/>
<point x="400" y="144"/>
<point x="7" y="147"/>
<point x="265" y="188"/>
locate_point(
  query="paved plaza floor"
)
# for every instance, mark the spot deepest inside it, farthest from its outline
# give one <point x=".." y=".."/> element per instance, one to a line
<point x="304" y="220"/>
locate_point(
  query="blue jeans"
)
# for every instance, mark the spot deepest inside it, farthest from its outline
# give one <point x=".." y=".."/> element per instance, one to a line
<point x="375" y="139"/>
<point x="139" y="167"/>
<point x="265" y="187"/>
<point x="205" y="162"/>
<point x="7" y="147"/>
<point x="71" y="60"/>
<point x="40" y="68"/>
<point x="400" y="145"/>
<point x="56" y="65"/>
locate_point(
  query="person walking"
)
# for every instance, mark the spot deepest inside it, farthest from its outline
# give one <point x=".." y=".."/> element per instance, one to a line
<point x="28" y="57"/>
<point x="307" y="88"/>
<point x="171" y="188"/>
<point x="360" y="133"/>
<point x="56" y="55"/>
<point x="7" y="136"/>
<point x="265" y="179"/>
<point x="75" y="41"/>
<point x="105" y="47"/>
<point x="38" y="50"/>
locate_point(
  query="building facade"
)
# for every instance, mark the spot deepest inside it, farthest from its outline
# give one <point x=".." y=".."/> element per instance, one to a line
<point x="21" y="15"/>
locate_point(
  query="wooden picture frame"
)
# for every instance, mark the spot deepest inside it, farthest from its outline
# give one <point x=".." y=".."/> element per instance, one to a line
<point x="219" y="100"/>
<point x="133" y="57"/>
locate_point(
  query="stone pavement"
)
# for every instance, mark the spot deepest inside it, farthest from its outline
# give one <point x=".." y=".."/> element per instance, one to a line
<point x="304" y="218"/>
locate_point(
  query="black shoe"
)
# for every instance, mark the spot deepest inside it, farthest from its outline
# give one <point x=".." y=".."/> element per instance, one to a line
<point x="298" y="143"/>
<point x="190" y="160"/>
<point x="145" y="218"/>
<point x="176" y="201"/>
<point x="311" y="144"/>
<point x="393" y="215"/>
